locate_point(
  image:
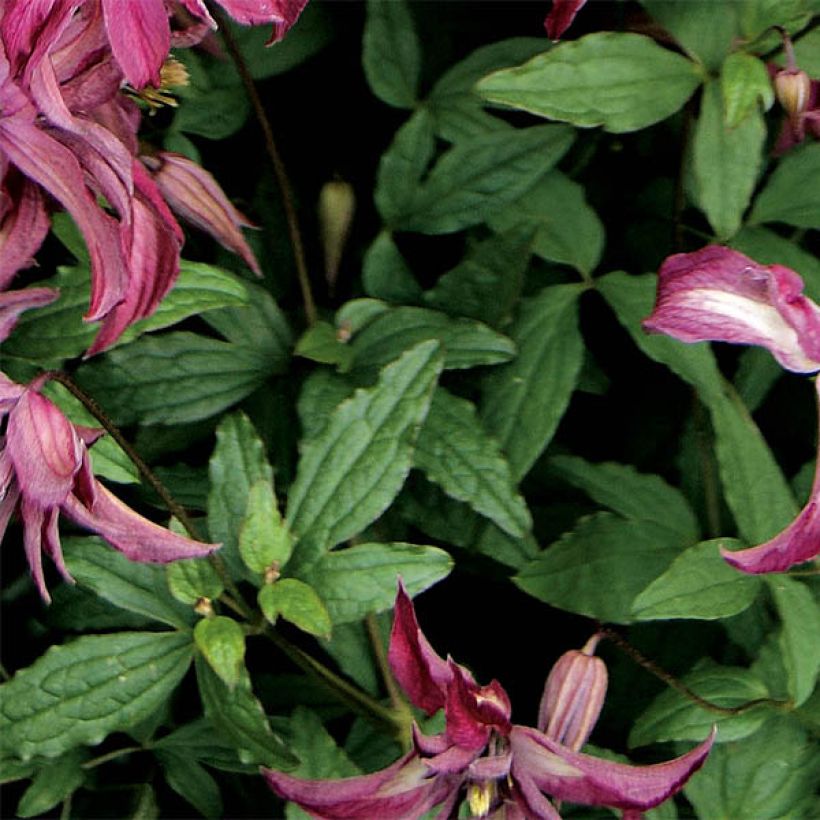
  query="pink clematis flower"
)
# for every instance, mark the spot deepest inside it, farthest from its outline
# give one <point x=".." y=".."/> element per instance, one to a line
<point x="561" y="16"/>
<point x="140" y="32"/>
<point x="721" y="295"/>
<point x="45" y="470"/>
<point x="502" y="768"/>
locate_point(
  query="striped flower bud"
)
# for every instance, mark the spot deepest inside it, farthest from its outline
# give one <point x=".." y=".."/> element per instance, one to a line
<point x="793" y="89"/>
<point x="573" y="696"/>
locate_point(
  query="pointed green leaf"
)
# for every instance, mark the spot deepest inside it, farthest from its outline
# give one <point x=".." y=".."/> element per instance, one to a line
<point x="375" y="568"/>
<point x="191" y="782"/>
<point x="391" y="53"/>
<point x="320" y="757"/>
<point x="600" y="567"/>
<point x="239" y="717"/>
<point x="622" y="81"/>
<point x="192" y="579"/>
<point x="477" y="177"/>
<point x="127" y="584"/>
<point x="566" y="228"/>
<point x="524" y="400"/>
<point x="800" y="615"/>
<point x="464" y="342"/>
<point x="55" y="782"/>
<point x="264" y="540"/>
<point x="789" y="196"/>
<point x="349" y="473"/>
<point x="238" y="461"/>
<point x="745" y="85"/>
<point x="222" y="643"/>
<point x="82" y="691"/>
<point x="671" y="716"/>
<point x="455" y="452"/>
<point x="296" y="602"/>
<point x="699" y="584"/>
<point x="321" y="343"/>
<point x="385" y="273"/>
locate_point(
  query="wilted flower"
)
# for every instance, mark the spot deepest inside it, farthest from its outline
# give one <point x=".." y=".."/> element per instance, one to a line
<point x="561" y="16"/>
<point x="45" y="470"/>
<point x="719" y="294"/>
<point x="499" y="767"/>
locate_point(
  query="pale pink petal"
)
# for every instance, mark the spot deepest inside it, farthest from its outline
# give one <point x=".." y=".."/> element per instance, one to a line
<point x="14" y="302"/>
<point x="719" y="294"/>
<point x="22" y="231"/>
<point x="285" y="14"/>
<point x="34" y="520"/>
<point x="140" y="38"/>
<point x="593" y="781"/>
<point x="561" y="16"/>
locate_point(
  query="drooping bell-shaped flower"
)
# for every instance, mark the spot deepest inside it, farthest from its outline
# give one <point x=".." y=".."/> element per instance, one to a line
<point x="500" y="768"/>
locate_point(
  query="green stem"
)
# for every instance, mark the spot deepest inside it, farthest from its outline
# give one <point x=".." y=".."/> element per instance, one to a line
<point x="98" y="761"/>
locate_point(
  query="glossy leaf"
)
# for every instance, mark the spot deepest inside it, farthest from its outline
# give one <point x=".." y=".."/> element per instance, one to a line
<point x="745" y="86"/>
<point x="222" y="643"/>
<point x="297" y="602"/>
<point x="192" y="579"/>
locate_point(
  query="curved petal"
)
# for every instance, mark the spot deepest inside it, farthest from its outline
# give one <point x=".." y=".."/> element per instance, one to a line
<point x="472" y="712"/>
<point x="721" y="295"/>
<point x="22" y="231"/>
<point x="14" y="302"/>
<point x="140" y="38"/>
<point x="593" y="781"/>
<point x="561" y="16"/>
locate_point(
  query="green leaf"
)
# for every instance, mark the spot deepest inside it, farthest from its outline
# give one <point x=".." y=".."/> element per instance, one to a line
<point x="477" y="177"/>
<point x="487" y="283"/>
<point x="191" y="782"/>
<point x="705" y="29"/>
<point x="566" y="229"/>
<point x="699" y="584"/>
<point x="222" y="643"/>
<point x="758" y="16"/>
<point x="264" y="540"/>
<point x="321" y="343"/>
<point x="12" y="769"/>
<point x="322" y="392"/>
<point x="671" y="716"/>
<point x="800" y="616"/>
<point x="83" y="691"/>
<point x="464" y="342"/>
<point x="726" y="161"/>
<point x="191" y="579"/>
<point x="402" y="165"/>
<point x="55" y="782"/>
<point x="238" y="716"/>
<point x="320" y="757"/>
<point x="745" y="85"/>
<point x="754" y="485"/>
<point x="349" y="473"/>
<point x="600" y="567"/>
<point x="385" y="273"/>
<point x="391" y="53"/>
<point x="65" y="229"/>
<point x="375" y="568"/>
<point x="769" y="776"/>
<point x="523" y="401"/>
<point x="214" y="113"/>
<point x="127" y="584"/>
<point x="629" y="493"/>
<point x="175" y="378"/>
<point x="237" y="462"/>
<point x="789" y="196"/>
<point x="622" y="81"/>
<point x="455" y="452"/>
<point x="296" y="602"/>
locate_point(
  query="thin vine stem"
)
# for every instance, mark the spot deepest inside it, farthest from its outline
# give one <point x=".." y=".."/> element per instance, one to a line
<point x="113" y="755"/>
<point x="275" y="157"/>
<point x="682" y="688"/>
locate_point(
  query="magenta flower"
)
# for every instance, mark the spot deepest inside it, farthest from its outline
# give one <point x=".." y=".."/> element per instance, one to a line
<point x="140" y="32"/>
<point x="500" y="767"/>
<point x="45" y="470"/>
<point x="561" y="16"/>
<point x="721" y="295"/>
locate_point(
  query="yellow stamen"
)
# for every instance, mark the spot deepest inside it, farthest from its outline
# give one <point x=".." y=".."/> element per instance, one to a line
<point x="479" y="797"/>
<point x="173" y="74"/>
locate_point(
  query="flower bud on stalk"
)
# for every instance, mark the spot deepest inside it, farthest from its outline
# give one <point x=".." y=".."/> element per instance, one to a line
<point x="573" y="696"/>
<point x="337" y="204"/>
<point x="793" y="89"/>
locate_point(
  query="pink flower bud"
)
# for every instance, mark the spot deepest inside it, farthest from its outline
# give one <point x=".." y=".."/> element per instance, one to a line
<point x="573" y="696"/>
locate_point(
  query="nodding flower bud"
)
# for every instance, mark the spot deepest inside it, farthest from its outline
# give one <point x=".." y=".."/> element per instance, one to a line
<point x="793" y="89"/>
<point x="573" y="696"/>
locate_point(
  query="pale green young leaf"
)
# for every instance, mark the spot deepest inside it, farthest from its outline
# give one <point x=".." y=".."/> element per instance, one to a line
<point x="191" y="579"/>
<point x="622" y="81"/>
<point x="800" y="617"/>
<point x="699" y="584"/>
<point x="376" y="568"/>
<point x="52" y="784"/>
<point x="455" y="452"/>
<point x="81" y="692"/>
<point x="789" y="195"/>
<point x="771" y="775"/>
<point x="599" y="567"/>
<point x="350" y="472"/>
<point x="726" y="161"/>
<point x="671" y="716"/>
<point x="264" y="540"/>
<point x="130" y="585"/>
<point x="523" y="401"/>
<point x="222" y="643"/>
<point x="391" y="52"/>
<point x="745" y="85"/>
<point x="297" y="602"/>
<point x="566" y="228"/>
